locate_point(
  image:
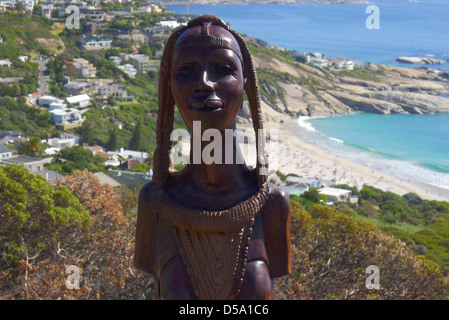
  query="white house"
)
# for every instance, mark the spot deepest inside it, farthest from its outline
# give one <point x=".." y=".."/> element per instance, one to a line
<point x="131" y="154"/>
<point x="89" y="42"/>
<point x="63" y="116"/>
<point x="335" y="194"/>
<point x="46" y="101"/>
<point x="129" y="70"/>
<point x="341" y="63"/>
<point x="5" y="63"/>
<point x="66" y="140"/>
<point x="80" y="101"/>
<point x="172" y="24"/>
<point x="47" y="9"/>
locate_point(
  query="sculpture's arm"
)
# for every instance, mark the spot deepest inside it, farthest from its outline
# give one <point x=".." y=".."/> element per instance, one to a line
<point x="276" y="220"/>
<point x="146" y="232"/>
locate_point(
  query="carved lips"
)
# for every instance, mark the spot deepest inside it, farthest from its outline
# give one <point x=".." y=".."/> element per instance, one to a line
<point x="208" y="105"/>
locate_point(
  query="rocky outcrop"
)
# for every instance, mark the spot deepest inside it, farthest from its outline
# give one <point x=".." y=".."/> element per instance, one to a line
<point x="419" y="60"/>
<point x="137" y="38"/>
<point x="315" y="91"/>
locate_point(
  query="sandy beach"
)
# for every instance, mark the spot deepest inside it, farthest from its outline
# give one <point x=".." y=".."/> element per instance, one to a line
<point x="292" y="155"/>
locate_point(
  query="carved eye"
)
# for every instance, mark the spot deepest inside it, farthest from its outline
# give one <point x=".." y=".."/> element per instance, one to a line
<point x="224" y="68"/>
<point x="185" y="68"/>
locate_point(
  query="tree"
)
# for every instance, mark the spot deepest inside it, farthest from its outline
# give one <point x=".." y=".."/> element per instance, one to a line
<point x="112" y="143"/>
<point x="36" y="219"/>
<point x="136" y="139"/>
<point x="76" y="158"/>
<point x="32" y="148"/>
<point x="111" y="100"/>
<point x="78" y="223"/>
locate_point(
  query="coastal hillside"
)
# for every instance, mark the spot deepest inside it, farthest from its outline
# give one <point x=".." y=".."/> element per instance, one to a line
<point x="291" y="89"/>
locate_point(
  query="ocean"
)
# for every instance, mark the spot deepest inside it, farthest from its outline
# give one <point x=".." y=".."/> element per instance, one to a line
<point x="339" y="30"/>
<point x="409" y="147"/>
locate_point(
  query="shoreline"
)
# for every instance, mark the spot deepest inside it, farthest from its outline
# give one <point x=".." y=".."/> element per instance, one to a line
<point x="308" y="160"/>
<point x="353" y="171"/>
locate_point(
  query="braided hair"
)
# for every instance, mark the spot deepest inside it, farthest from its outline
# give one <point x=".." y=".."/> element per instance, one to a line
<point x="165" y="117"/>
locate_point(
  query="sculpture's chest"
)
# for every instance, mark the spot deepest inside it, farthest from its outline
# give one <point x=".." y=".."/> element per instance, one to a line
<point x="212" y="264"/>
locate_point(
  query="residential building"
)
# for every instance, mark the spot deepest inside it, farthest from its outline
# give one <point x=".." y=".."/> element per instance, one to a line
<point x="23" y="58"/>
<point x="131" y="179"/>
<point x="5" y="152"/>
<point x="47" y="9"/>
<point x="335" y="194"/>
<point x="93" y="14"/>
<point x="129" y="164"/>
<point x="341" y="63"/>
<point x="119" y="92"/>
<point x="129" y="70"/>
<point x="106" y="180"/>
<point x="122" y="14"/>
<point x="66" y="117"/>
<point x="10" y="80"/>
<point x="5" y="63"/>
<point x="116" y="60"/>
<point x="31" y="163"/>
<point x="141" y="62"/>
<point x="93" y="42"/>
<point x="131" y="154"/>
<point x="77" y="87"/>
<point x="11" y="5"/>
<point x="46" y="101"/>
<point x="66" y="140"/>
<point x="12" y="137"/>
<point x="81" y="67"/>
<point x="80" y="101"/>
<point x="50" y="175"/>
<point x="172" y="24"/>
<point x="94" y="149"/>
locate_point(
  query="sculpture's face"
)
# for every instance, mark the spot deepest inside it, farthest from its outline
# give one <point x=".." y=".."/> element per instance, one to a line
<point x="207" y="80"/>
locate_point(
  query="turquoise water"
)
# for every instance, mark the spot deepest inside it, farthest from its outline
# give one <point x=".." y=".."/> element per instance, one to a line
<point x="421" y="139"/>
<point x="407" y="146"/>
<point x="339" y="30"/>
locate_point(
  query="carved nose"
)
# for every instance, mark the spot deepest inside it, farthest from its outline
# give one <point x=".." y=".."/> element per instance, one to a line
<point x="203" y="86"/>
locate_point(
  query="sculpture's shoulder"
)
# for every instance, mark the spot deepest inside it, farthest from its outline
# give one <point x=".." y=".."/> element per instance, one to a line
<point x="279" y="200"/>
<point x="276" y="220"/>
<point x="147" y="192"/>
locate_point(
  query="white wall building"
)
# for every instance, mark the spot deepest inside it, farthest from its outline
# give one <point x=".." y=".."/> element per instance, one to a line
<point x="80" y="101"/>
<point x="46" y="101"/>
<point x="335" y="194"/>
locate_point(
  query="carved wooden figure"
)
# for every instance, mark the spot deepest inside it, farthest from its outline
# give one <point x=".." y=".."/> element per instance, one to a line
<point x="211" y="230"/>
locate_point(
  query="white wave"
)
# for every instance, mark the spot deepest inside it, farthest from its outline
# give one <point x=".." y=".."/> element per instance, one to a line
<point x="337" y="140"/>
<point x="302" y="122"/>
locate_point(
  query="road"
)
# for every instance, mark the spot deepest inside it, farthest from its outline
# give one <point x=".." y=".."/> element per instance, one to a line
<point x="43" y="82"/>
<point x="43" y="79"/>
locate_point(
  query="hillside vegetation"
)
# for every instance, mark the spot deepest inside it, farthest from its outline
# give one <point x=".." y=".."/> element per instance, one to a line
<point x="90" y="226"/>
